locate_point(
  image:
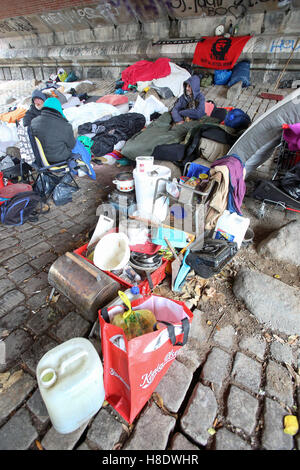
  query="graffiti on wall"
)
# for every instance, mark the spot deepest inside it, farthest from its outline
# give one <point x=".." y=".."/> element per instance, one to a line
<point x="125" y="11"/>
<point x="236" y="8"/>
<point x="284" y="45"/>
<point x="112" y="11"/>
<point x="12" y="25"/>
<point x="107" y="12"/>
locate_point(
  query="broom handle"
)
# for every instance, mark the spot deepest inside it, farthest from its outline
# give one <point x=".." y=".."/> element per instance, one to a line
<point x="287" y="63"/>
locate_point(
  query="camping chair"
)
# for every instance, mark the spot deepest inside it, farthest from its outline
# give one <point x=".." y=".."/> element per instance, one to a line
<point x="50" y="175"/>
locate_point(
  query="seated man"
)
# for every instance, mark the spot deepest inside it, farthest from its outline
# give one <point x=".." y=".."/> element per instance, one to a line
<point x="38" y="99"/>
<point x="55" y="133"/>
<point x="190" y="105"/>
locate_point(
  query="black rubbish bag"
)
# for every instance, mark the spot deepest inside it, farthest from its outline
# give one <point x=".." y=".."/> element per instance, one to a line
<point x="62" y="193"/>
<point x="290" y="183"/>
<point x="45" y="184"/>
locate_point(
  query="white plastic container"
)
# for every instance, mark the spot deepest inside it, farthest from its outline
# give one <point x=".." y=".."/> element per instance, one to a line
<point x="70" y="380"/>
<point x="112" y="252"/>
<point x="144" y="164"/>
<point x="232" y="227"/>
<point x="145" y="184"/>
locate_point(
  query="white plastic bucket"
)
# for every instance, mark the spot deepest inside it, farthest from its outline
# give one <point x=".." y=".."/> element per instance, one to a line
<point x="145" y="184"/>
<point x="232" y="227"/>
<point x="144" y="164"/>
<point x="70" y="380"/>
<point x="112" y="252"/>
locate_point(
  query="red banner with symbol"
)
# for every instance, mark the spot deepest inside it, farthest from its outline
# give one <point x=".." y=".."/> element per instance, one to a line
<point x="219" y="52"/>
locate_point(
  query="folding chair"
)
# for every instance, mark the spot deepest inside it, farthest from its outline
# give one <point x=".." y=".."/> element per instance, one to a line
<point x="61" y="172"/>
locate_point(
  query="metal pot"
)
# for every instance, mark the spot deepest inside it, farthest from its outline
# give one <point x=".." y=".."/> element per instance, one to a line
<point x="124" y="181"/>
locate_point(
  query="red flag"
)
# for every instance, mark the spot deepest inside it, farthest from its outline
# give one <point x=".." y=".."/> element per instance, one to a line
<point x="218" y="52"/>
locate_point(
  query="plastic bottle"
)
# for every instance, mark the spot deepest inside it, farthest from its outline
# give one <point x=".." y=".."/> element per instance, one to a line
<point x="134" y="322"/>
<point x="70" y="380"/>
<point x="133" y="293"/>
<point x="232" y="227"/>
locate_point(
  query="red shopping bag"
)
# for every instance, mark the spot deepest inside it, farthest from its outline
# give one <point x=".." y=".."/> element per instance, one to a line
<point x="133" y="369"/>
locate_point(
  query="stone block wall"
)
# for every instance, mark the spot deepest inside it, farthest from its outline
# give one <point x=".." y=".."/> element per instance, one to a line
<point x="103" y="37"/>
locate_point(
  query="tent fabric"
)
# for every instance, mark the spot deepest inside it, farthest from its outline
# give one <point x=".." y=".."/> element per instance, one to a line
<point x="144" y="70"/>
<point x="256" y="144"/>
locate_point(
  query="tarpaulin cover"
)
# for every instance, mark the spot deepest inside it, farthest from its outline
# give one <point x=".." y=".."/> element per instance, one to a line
<point x="145" y="70"/>
<point x="218" y="52"/>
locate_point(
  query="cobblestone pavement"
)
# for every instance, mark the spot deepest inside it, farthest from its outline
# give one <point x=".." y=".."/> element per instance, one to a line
<point x="227" y="389"/>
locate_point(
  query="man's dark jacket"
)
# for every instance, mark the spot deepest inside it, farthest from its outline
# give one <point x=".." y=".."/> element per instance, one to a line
<point x="55" y="134"/>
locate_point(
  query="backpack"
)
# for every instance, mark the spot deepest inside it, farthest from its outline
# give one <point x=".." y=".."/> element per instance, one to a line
<point x="20" y="208"/>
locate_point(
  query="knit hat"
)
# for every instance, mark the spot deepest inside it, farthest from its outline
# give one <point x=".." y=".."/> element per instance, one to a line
<point x="38" y="94"/>
<point x="54" y="103"/>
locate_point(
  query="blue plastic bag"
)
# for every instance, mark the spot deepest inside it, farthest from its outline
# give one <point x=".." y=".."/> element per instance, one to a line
<point x="222" y="77"/>
<point x="240" y="73"/>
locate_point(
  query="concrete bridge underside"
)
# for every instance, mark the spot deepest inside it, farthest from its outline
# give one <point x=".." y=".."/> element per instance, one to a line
<point x="100" y="39"/>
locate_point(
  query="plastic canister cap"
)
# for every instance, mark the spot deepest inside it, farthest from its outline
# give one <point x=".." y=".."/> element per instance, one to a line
<point x="135" y="290"/>
<point x="48" y="377"/>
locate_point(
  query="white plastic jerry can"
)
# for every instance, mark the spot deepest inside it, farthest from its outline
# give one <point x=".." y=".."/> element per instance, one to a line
<point x="231" y="227"/>
<point x="70" y="380"/>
